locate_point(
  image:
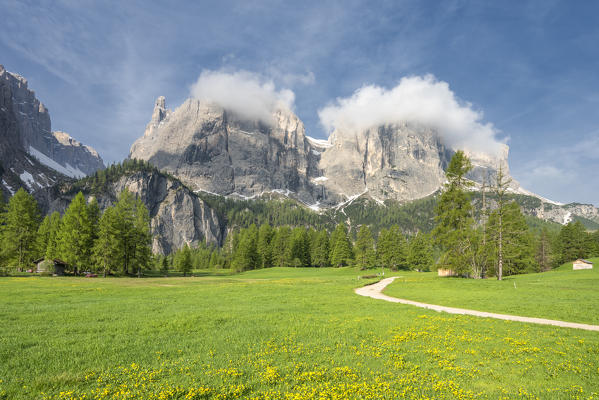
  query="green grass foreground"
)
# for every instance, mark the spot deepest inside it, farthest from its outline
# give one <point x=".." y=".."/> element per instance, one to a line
<point x="269" y="334"/>
<point x="561" y="294"/>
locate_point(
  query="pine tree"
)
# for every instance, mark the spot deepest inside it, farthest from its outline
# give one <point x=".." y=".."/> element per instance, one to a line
<point x="183" y="260"/>
<point x="265" y="235"/>
<point x="454" y="230"/>
<point x="517" y="245"/>
<point x="341" y="254"/>
<point x="164" y="265"/>
<point x="19" y="233"/>
<point x="300" y="247"/>
<point x="321" y="249"/>
<point x="543" y="253"/>
<point x="364" y="248"/>
<point x="281" y="247"/>
<point x="421" y="253"/>
<point x="246" y="254"/>
<point x="572" y="242"/>
<point x="392" y="249"/>
<point x="76" y="234"/>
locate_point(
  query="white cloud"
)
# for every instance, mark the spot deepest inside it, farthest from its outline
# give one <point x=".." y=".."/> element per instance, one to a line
<point x="248" y="94"/>
<point x="416" y="99"/>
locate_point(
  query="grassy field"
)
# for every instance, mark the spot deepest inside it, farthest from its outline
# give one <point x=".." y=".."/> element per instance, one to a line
<point x="268" y="334"/>
<point x="561" y="294"/>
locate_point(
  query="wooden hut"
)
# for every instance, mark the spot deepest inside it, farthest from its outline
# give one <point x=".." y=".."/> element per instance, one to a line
<point x="446" y="272"/>
<point x="582" y="264"/>
<point x="42" y="266"/>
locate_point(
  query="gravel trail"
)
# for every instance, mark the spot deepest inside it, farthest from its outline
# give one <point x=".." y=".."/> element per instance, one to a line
<point x="375" y="291"/>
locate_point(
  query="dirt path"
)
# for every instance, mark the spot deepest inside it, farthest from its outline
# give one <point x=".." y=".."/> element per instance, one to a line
<point x="375" y="291"/>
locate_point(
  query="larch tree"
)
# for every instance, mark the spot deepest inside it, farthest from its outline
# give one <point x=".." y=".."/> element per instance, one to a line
<point x="19" y="232"/>
<point x="104" y="251"/>
<point x="454" y="231"/>
<point x="421" y="253"/>
<point x="76" y="234"/>
<point x="497" y="229"/>
<point x="52" y="250"/>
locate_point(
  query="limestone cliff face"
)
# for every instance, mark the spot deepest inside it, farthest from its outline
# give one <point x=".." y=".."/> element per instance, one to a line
<point x="27" y="129"/>
<point x="178" y="216"/>
<point x="401" y="162"/>
<point x="213" y="150"/>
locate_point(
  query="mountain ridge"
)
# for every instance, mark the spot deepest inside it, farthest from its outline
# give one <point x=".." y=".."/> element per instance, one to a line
<point x="32" y="155"/>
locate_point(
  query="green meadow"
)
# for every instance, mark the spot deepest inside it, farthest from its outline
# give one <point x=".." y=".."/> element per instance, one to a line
<point x="286" y="333"/>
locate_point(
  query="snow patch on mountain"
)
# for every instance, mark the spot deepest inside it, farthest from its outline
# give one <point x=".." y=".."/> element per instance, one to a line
<point x="67" y="170"/>
<point x="27" y="178"/>
<point x="319" y="142"/>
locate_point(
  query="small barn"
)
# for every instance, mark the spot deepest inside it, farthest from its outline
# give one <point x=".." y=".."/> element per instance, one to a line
<point x="582" y="264"/>
<point x="43" y="265"/>
<point x="446" y="272"/>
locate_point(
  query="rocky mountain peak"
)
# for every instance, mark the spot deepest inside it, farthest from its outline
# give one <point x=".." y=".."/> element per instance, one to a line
<point x="214" y="149"/>
<point x="160" y="113"/>
<point x="32" y="155"/>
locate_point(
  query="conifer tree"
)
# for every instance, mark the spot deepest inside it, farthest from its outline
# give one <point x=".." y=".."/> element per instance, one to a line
<point x="52" y="250"/>
<point x="246" y="254"/>
<point x="421" y="249"/>
<point x="341" y="254"/>
<point x="183" y="260"/>
<point x="281" y="247"/>
<point x="142" y="237"/>
<point x="392" y="249"/>
<point x="105" y="247"/>
<point x="164" y="265"/>
<point x="19" y="232"/>
<point x="321" y="249"/>
<point x="508" y="229"/>
<point x="543" y="251"/>
<point x="300" y="247"/>
<point x="265" y="235"/>
<point x="497" y="230"/>
<point x="76" y="234"/>
<point x="123" y="227"/>
<point x="43" y="236"/>
<point x="572" y="242"/>
<point x="454" y="230"/>
<point x="364" y="248"/>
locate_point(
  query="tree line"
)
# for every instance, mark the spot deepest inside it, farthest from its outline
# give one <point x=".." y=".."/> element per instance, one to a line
<point x="286" y="246"/>
<point x="84" y="237"/>
<point x="492" y="241"/>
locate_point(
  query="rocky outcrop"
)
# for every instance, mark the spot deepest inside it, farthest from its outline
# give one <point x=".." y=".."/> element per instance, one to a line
<point x="401" y="162"/>
<point x="27" y="129"/>
<point x="214" y="150"/>
<point x="178" y="216"/>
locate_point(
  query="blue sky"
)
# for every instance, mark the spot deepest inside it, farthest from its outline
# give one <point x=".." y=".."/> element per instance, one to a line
<point x="531" y="67"/>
